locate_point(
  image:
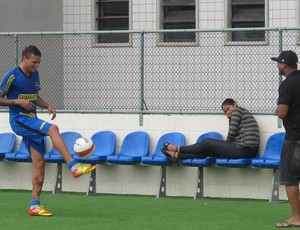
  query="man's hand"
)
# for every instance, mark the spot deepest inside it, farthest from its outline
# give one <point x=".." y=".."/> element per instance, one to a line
<point x="52" y="111"/>
<point x="26" y="104"/>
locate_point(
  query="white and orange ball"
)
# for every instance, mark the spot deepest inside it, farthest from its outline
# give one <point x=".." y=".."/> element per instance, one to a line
<point x="84" y="147"/>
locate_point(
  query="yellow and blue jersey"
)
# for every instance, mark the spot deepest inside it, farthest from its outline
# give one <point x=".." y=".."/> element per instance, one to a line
<point x="16" y="85"/>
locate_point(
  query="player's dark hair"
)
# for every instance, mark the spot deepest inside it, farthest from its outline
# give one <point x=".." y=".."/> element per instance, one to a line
<point x="228" y="101"/>
<point x="29" y="50"/>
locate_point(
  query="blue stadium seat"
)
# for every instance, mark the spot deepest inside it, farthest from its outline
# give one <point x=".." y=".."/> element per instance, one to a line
<point x="7" y="142"/>
<point x="105" y="142"/>
<point x="53" y="156"/>
<point x="134" y="146"/>
<point x="207" y="160"/>
<point x="158" y="158"/>
<point x="21" y="155"/>
<point x="271" y="155"/>
<point x="235" y="162"/>
<point x="202" y="162"/>
<point x="271" y="159"/>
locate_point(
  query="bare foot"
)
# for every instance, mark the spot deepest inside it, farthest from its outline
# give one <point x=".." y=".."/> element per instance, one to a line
<point x="173" y="156"/>
<point x="172" y="153"/>
<point x="172" y="148"/>
<point x="288" y="224"/>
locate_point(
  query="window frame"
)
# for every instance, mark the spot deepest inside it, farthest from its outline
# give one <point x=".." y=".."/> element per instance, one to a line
<point x="161" y="20"/>
<point x="96" y="22"/>
<point x="298" y="19"/>
<point x="228" y="24"/>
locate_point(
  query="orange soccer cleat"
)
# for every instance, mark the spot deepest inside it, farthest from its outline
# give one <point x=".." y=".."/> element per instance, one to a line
<point x="39" y="211"/>
<point x="82" y="169"/>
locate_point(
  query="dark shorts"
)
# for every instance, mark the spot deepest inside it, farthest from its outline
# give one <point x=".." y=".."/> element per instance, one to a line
<point x="290" y="163"/>
<point x="33" y="131"/>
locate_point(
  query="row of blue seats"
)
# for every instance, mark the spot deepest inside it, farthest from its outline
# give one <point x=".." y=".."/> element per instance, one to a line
<point x="135" y="149"/>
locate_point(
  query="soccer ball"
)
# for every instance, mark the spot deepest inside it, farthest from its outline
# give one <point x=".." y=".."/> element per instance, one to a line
<point x="84" y="147"/>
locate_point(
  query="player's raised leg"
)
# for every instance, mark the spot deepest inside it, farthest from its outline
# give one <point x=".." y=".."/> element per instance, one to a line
<point x="77" y="169"/>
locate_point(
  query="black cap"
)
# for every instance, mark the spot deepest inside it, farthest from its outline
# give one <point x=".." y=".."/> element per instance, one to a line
<point x="287" y="57"/>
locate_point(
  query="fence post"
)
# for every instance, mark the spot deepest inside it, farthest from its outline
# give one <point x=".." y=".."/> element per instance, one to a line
<point x="142" y="80"/>
<point x="279" y="121"/>
<point x="16" y="49"/>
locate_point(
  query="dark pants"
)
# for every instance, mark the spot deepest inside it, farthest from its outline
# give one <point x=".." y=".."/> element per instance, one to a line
<point x="290" y="163"/>
<point x="216" y="148"/>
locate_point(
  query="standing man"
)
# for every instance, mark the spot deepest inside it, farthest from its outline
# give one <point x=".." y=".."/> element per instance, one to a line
<point x="288" y="109"/>
<point x="19" y="90"/>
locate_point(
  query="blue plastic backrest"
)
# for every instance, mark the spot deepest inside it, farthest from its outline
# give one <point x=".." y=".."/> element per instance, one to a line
<point x="135" y="144"/>
<point x="213" y="135"/>
<point x="69" y="139"/>
<point x="105" y="142"/>
<point x="274" y="145"/>
<point x="173" y="138"/>
<point x="22" y="147"/>
<point x="7" y="141"/>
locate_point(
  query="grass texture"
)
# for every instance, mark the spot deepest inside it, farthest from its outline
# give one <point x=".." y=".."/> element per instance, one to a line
<point x="74" y="211"/>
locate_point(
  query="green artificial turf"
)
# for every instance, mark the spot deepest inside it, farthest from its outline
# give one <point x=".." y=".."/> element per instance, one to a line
<point x="74" y="211"/>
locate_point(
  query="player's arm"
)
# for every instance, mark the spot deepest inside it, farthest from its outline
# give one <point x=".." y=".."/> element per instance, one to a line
<point x="13" y="102"/>
<point x="45" y="105"/>
<point x="282" y="110"/>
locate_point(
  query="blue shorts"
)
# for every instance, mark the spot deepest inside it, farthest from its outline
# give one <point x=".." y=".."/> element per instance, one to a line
<point x="290" y="163"/>
<point x="33" y="130"/>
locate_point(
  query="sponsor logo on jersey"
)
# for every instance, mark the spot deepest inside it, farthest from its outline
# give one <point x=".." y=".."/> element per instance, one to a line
<point x="31" y="97"/>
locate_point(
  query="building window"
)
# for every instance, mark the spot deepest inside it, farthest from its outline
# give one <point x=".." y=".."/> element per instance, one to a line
<point x="113" y="15"/>
<point x="248" y="14"/>
<point x="178" y="14"/>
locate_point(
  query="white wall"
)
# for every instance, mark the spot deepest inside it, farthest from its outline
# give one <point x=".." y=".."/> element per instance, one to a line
<point x="78" y="15"/>
<point x="138" y="179"/>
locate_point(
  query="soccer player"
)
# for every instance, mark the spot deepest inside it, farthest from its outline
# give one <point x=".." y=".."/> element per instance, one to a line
<point x="19" y="90"/>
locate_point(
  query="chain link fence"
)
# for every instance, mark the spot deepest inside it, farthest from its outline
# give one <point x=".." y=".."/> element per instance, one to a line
<point x="148" y="75"/>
